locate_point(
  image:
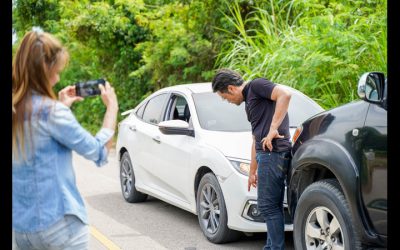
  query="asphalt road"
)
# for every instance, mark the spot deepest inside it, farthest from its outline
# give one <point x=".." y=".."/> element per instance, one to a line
<point x="153" y="224"/>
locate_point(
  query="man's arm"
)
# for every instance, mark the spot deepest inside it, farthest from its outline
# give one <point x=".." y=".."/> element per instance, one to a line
<point x="282" y="98"/>
<point x="253" y="167"/>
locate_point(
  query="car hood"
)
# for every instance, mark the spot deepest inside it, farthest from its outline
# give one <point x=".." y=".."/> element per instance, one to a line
<point x="232" y="144"/>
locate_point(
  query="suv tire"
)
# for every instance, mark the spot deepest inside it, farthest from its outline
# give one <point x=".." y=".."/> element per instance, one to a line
<point x="323" y="203"/>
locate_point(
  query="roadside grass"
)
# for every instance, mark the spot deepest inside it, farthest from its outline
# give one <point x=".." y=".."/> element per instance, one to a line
<point x="319" y="50"/>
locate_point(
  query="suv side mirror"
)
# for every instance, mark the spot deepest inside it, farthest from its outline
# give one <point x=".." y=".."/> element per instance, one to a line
<point x="370" y="87"/>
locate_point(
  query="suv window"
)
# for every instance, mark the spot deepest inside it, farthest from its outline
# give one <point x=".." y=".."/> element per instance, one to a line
<point x="154" y="108"/>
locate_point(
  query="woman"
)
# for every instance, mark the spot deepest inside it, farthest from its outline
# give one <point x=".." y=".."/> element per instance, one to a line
<point x="48" y="210"/>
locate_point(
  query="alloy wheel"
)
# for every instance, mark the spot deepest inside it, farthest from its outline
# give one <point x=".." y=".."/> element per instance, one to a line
<point x="209" y="208"/>
<point x="323" y="231"/>
<point x="126" y="177"/>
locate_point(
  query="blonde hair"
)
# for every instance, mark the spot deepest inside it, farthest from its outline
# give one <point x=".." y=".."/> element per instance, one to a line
<point x="37" y="58"/>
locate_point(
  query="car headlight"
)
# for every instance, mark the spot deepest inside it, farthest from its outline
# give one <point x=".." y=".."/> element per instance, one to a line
<point x="242" y="166"/>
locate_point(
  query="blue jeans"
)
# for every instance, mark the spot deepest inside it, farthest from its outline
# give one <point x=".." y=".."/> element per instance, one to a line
<point x="68" y="233"/>
<point x="272" y="169"/>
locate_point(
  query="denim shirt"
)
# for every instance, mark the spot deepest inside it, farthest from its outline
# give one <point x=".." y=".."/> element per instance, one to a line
<point x="43" y="184"/>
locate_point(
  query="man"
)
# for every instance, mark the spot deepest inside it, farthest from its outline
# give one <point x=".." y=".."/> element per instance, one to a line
<point x="266" y="107"/>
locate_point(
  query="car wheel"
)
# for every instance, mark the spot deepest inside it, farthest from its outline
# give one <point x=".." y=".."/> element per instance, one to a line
<point x="322" y="219"/>
<point x="127" y="179"/>
<point x="211" y="211"/>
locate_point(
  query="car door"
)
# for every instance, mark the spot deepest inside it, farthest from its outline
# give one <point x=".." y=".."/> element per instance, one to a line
<point x="144" y="155"/>
<point x="132" y="129"/>
<point x="174" y="153"/>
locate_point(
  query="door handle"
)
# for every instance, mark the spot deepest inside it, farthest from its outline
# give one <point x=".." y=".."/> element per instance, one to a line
<point x="133" y="128"/>
<point x="157" y="139"/>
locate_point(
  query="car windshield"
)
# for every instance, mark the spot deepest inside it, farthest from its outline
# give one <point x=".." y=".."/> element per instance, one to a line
<point x="218" y="115"/>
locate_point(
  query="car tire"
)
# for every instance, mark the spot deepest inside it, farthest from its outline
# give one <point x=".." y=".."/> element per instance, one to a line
<point x="212" y="216"/>
<point x="323" y="203"/>
<point x="127" y="179"/>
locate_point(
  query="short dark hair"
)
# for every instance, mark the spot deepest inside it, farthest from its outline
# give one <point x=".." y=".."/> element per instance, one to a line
<point x="225" y="77"/>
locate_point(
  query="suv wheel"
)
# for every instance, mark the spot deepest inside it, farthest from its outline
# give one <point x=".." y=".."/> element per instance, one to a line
<point x="211" y="211"/>
<point x="322" y="219"/>
<point x="127" y="179"/>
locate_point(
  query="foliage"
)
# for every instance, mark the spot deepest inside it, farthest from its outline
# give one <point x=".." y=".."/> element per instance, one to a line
<point x="320" y="47"/>
<point x="182" y="43"/>
<point x="105" y="36"/>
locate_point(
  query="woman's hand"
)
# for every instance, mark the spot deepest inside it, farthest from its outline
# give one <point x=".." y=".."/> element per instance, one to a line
<point x="68" y="96"/>
<point x="108" y="96"/>
<point x="110" y="100"/>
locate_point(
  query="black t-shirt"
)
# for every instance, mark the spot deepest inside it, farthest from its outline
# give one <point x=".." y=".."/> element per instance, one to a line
<point x="260" y="110"/>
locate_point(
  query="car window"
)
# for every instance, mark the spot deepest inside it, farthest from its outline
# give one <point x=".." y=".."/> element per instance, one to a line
<point x="218" y="115"/>
<point x="154" y="108"/>
<point x="179" y="109"/>
<point x="139" y="112"/>
<point x="180" y="106"/>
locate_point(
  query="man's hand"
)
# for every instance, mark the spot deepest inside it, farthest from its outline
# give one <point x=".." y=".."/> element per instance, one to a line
<point x="267" y="141"/>
<point x="252" y="181"/>
<point x="68" y="96"/>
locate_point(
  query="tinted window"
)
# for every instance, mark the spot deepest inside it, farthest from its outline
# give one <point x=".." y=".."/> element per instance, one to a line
<point x="218" y="115"/>
<point x="139" y="112"/>
<point x="154" y="108"/>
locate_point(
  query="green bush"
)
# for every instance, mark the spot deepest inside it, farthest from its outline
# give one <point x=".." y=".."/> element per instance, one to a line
<point x="318" y="47"/>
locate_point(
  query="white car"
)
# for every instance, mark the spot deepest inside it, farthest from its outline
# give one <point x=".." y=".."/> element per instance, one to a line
<point x="186" y="146"/>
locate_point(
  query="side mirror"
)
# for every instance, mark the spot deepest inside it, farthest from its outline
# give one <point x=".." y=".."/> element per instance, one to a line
<point x="175" y="127"/>
<point x="370" y="87"/>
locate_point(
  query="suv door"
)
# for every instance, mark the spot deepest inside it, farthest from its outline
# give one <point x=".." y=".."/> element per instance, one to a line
<point x="374" y="164"/>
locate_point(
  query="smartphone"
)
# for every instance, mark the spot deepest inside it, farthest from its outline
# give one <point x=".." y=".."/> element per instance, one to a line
<point x="89" y="88"/>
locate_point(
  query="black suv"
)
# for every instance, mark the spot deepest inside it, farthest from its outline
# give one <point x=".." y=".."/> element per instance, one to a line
<point x="337" y="182"/>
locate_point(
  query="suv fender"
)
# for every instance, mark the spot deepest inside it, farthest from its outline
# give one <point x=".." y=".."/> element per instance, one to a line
<point x="325" y="158"/>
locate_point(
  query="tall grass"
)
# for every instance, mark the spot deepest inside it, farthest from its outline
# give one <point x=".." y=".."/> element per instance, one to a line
<point x="319" y="49"/>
